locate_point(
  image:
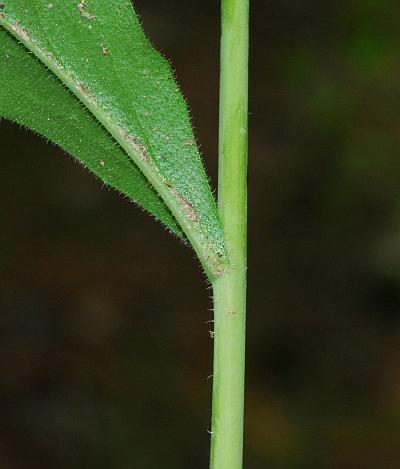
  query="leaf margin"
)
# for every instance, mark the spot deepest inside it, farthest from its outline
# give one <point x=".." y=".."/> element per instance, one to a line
<point x="213" y="259"/>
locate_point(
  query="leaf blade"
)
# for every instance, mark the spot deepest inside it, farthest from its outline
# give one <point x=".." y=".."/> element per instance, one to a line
<point x="108" y="63"/>
<point x="31" y="96"/>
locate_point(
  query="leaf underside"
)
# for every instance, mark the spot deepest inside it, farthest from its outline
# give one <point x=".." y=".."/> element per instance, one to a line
<point x="96" y="87"/>
<point x="32" y="96"/>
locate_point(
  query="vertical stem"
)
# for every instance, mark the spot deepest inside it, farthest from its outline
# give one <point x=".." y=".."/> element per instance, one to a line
<point x="230" y="289"/>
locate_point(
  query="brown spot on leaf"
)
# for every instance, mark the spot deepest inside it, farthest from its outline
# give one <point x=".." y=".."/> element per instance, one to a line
<point x="81" y="8"/>
<point x="102" y="163"/>
<point x="185" y="204"/>
<point x="82" y="88"/>
<point x="218" y="269"/>
<point x="138" y="147"/>
<point x="86" y="93"/>
<point x="105" y="50"/>
<point x="21" y="32"/>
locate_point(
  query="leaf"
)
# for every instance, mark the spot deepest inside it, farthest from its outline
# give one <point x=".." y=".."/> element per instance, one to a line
<point x="98" y="50"/>
<point x="30" y="95"/>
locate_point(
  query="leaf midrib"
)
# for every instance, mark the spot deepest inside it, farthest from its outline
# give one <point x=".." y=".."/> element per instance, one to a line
<point x="213" y="264"/>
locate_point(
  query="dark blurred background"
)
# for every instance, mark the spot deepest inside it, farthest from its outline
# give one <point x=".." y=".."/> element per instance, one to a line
<point x="104" y="346"/>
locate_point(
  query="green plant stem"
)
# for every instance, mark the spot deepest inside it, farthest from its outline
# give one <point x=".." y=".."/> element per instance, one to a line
<point x="230" y="289"/>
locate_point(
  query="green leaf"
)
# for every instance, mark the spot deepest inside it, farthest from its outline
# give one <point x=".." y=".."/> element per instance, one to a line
<point x="98" y="50"/>
<point x="30" y="95"/>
